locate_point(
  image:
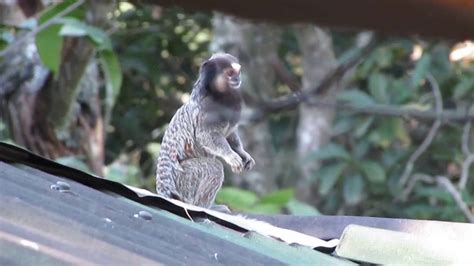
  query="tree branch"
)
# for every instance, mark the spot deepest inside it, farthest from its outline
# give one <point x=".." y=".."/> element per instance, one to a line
<point x="394" y="111"/>
<point x="448" y="116"/>
<point x="431" y="134"/>
<point x="465" y="137"/>
<point x="284" y="75"/>
<point x="412" y="183"/>
<point x="468" y="153"/>
<point x="292" y="100"/>
<point x="444" y="181"/>
<point x="466" y="165"/>
<point x="447" y="185"/>
<point x="57" y="100"/>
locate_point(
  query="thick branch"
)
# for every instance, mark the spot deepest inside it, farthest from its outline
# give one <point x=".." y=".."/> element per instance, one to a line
<point x="448" y="116"/>
<point x="59" y="97"/>
<point x="291" y="101"/>
<point x="284" y="75"/>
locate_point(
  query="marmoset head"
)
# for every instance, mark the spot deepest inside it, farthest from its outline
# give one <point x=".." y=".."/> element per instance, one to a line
<point x="226" y="69"/>
<point x="218" y="75"/>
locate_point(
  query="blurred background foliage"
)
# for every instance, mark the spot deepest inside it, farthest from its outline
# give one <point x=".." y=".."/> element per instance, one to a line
<point x="159" y="52"/>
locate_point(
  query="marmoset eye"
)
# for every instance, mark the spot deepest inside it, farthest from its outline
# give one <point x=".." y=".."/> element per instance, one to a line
<point x="231" y="72"/>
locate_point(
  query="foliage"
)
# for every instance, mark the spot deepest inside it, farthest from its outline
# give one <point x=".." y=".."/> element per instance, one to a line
<point x="362" y="166"/>
<point x="273" y="203"/>
<point x="49" y="43"/>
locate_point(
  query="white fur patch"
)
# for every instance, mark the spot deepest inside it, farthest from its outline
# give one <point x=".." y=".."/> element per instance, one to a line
<point x="236" y="67"/>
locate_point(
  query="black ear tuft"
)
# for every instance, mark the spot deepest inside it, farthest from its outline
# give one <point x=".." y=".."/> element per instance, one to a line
<point x="208" y="72"/>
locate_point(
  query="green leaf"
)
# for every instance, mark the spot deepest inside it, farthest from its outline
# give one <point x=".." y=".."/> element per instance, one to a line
<point x="434" y="192"/>
<point x="348" y="55"/>
<point x="388" y="131"/>
<point x="378" y="87"/>
<point x="113" y="75"/>
<point x="373" y="171"/>
<point x="356" y="97"/>
<point x="265" y="208"/>
<point x="363" y="127"/>
<point x="401" y="132"/>
<point x="399" y="93"/>
<point x="421" y="69"/>
<point x="330" y="151"/>
<point x="153" y="148"/>
<point x="72" y="30"/>
<point x="328" y="176"/>
<point x="75" y="27"/>
<point x="296" y="207"/>
<point x="73" y="162"/>
<point x="49" y="44"/>
<point x="353" y="189"/>
<point x="342" y="125"/>
<point x="280" y="197"/>
<point x="236" y="198"/>
<point x="54" y="10"/>
<point x="7" y="36"/>
<point x="361" y="148"/>
<point x="464" y="87"/>
<point x="48" y="41"/>
<point x="383" y="57"/>
<point x="123" y="173"/>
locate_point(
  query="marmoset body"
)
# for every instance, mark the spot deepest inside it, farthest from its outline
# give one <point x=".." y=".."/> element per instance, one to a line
<point x="201" y="132"/>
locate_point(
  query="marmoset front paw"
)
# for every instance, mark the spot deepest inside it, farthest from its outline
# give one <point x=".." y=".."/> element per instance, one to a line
<point x="248" y="161"/>
<point x="235" y="162"/>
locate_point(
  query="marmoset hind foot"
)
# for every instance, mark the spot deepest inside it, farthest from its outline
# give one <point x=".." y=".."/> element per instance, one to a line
<point x="201" y="133"/>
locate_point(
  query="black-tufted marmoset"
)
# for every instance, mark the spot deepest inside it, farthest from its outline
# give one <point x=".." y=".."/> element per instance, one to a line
<point x="201" y="131"/>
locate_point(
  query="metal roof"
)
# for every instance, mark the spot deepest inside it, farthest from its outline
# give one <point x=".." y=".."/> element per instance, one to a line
<point x="55" y="220"/>
<point x="52" y="214"/>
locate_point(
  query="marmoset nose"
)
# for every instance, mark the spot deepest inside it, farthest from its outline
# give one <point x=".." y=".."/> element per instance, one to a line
<point x="235" y="79"/>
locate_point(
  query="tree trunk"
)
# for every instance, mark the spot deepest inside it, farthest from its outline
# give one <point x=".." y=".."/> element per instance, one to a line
<point x="315" y="124"/>
<point x="56" y="117"/>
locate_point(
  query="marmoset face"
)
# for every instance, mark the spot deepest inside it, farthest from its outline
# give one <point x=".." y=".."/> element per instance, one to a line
<point x="233" y="76"/>
<point x="226" y="70"/>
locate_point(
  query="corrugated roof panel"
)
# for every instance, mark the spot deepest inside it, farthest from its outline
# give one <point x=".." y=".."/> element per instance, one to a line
<point x="382" y="246"/>
<point x="103" y="228"/>
<point x="295" y="255"/>
<point x="73" y="221"/>
<point x="14" y="253"/>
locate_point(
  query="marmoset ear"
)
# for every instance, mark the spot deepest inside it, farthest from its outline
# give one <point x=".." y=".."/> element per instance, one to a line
<point x="207" y="63"/>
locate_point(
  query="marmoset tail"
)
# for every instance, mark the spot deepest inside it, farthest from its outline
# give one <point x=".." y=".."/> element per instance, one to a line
<point x="203" y="132"/>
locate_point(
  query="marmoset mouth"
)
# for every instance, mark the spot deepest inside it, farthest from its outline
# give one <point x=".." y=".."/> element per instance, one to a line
<point x="234" y="82"/>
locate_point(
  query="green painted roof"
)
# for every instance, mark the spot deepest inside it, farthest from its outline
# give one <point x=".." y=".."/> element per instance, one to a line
<point x="52" y="214"/>
<point x="86" y="225"/>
